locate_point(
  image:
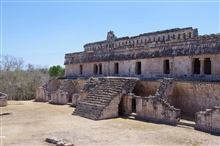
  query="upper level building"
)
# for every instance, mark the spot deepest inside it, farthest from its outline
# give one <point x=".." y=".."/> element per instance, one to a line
<point x="173" y="52"/>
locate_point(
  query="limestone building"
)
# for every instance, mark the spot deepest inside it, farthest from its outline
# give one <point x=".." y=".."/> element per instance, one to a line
<point x="172" y="53"/>
<point x="159" y="76"/>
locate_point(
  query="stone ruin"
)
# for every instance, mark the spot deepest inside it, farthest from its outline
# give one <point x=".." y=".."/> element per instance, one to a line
<point x="3" y="99"/>
<point x="159" y="76"/>
<point x="58" y="91"/>
<point x="208" y="120"/>
<point x="103" y="98"/>
<point x="156" y="108"/>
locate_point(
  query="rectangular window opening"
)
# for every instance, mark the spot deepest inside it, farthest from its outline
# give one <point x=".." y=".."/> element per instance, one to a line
<point x="196" y="66"/>
<point x="81" y="69"/>
<point x="207" y="66"/>
<point x="138" y="68"/>
<point x="100" y="69"/>
<point x="116" y="71"/>
<point x="166" y="67"/>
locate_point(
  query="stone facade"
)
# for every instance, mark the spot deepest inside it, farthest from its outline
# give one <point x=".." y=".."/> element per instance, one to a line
<point x="169" y="53"/>
<point x="3" y="99"/>
<point x="159" y="76"/>
<point x="209" y="120"/>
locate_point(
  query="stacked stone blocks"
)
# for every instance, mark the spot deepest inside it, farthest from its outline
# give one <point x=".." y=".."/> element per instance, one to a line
<point x="102" y="102"/>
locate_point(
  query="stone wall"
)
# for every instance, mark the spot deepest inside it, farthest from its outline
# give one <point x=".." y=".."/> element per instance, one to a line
<point x="150" y="67"/>
<point x="146" y="88"/>
<point x="192" y="97"/>
<point x="59" y="97"/>
<point x="113" y="42"/>
<point x="163" y="53"/>
<point x="3" y="99"/>
<point x="157" y="110"/>
<point x="189" y="96"/>
<point x="53" y="84"/>
<point x="111" y="111"/>
<point x="209" y="120"/>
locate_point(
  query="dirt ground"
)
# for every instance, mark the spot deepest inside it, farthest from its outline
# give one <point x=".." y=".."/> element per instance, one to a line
<point x="32" y="122"/>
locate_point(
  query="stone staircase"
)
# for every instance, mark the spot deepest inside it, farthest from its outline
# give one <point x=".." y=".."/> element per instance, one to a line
<point x="164" y="85"/>
<point x="105" y="90"/>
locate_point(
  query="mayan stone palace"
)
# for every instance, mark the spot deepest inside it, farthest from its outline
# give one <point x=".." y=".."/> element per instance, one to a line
<point x="157" y="77"/>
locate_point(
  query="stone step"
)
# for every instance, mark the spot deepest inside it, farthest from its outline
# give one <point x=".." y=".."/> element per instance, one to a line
<point x="101" y="95"/>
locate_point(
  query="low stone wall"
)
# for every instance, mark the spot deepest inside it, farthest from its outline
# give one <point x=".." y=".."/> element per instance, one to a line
<point x="59" y="97"/>
<point x="156" y="110"/>
<point x="209" y="120"/>
<point x="3" y="99"/>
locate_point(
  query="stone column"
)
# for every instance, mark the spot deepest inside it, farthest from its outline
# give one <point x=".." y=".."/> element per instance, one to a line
<point x="202" y="63"/>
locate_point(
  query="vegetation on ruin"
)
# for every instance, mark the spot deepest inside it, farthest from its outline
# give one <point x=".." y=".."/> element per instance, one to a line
<point x="56" y="71"/>
<point x="19" y="81"/>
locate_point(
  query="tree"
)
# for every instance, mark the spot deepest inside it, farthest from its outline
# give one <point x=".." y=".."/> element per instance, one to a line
<point x="56" y="71"/>
<point x="20" y="83"/>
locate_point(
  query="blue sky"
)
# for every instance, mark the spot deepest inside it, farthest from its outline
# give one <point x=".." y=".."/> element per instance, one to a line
<point x="41" y="32"/>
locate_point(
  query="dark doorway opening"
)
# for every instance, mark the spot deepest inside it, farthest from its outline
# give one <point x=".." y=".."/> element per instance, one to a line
<point x="95" y="69"/>
<point x="196" y="66"/>
<point x="116" y="68"/>
<point x="100" y="69"/>
<point x="121" y="107"/>
<point x="81" y="69"/>
<point x="70" y="99"/>
<point x="138" y="68"/>
<point x="207" y="66"/>
<point x="166" y="67"/>
<point x="133" y="105"/>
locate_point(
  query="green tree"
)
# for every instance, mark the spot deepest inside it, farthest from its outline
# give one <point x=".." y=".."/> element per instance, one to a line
<point x="56" y="71"/>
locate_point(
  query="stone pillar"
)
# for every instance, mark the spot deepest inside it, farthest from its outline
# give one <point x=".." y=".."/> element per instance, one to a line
<point x="126" y="107"/>
<point x="139" y="106"/>
<point x="129" y="103"/>
<point x="202" y="63"/>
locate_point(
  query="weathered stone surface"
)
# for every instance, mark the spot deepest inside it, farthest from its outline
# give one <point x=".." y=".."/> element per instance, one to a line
<point x="103" y="99"/>
<point x="209" y="120"/>
<point x="59" y="91"/>
<point x="156" y="108"/>
<point x="3" y="99"/>
<point x="151" y="50"/>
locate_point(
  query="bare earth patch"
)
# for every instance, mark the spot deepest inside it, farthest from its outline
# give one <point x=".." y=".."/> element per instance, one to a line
<point x="32" y="122"/>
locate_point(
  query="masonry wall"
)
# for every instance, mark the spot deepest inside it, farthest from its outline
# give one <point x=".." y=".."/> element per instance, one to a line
<point x="209" y="120"/>
<point x="192" y="97"/>
<point x="150" y="67"/>
<point x="146" y="88"/>
<point x="152" y="109"/>
<point x="53" y="85"/>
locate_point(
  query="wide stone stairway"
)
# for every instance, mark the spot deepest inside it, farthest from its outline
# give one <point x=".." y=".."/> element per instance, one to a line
<point x="106" y="90"/>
